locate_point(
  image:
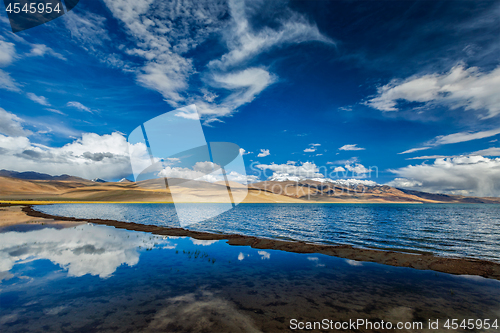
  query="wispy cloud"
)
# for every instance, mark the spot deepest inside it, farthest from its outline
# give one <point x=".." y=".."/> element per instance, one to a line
<point x="79" y="106"/>
<point x="455" y="138"/>
<point x="7" y="53"/>
<point x="163" y="34"/>
<point x="461" y="87"/>
<point x="56" y="111"/>
<point x="40" y="50"/>
<point x="351" y="147"/>
<point x="38" y="99"/>
<point x="409" y="151"/>
<point x="7" y="82"/>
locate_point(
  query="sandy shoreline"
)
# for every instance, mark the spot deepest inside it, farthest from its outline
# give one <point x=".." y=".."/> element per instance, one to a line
<point x="460" y="266"/>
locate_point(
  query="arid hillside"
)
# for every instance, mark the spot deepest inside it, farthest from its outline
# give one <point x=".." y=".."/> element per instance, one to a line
<point x="82" y="190"/>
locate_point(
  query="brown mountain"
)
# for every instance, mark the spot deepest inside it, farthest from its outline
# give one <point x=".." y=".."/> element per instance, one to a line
<point x="67" y="188"/>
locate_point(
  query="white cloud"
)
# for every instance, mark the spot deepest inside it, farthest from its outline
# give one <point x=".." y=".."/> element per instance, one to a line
<point x="87" y="28"/>
<point x="488" y="152"/>
<point x="351" y="147"/>
<point x="7" y="53"/>
<point x="244" y="152"/>
<point x="358" y="170"/>
<point x="312" y="148"/>
<point x="38" y="99"/>
<point x="354" y="262"/>
<point x="484" y="152"/>
<point x="203" y="242"/>
<point x="40" y="50"/>
<point x="460" y="87"/>
<point x="11" y="125"/>
<point x="7" y="82"/>
<point x="163" y="33"/>
<point x="264" y="153"/>
<point x="409" y="151"/>
<point x="243" y="42"/>
<point x="205" y="171"/>
<point x="464" y="175"/>
<point x="168" y="77"/>
<point x="56" y="111"/>
<point x="79" y="106"/>
<point x="91" y="156"/>
<point x="463" y="137"/>
<point x="455" y="138"/>
<point x="404" y="183"/>
<point x="304" y="170"/>
<point x="348" y="161"/>
<point x="264" y="255"/>
<point x="85" y="249"/>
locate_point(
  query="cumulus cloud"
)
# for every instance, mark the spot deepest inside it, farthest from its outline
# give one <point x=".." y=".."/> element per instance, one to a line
<point x="312" y="148"/>
<point x="91" y="156"/>
<point x="304" y="170"/>
<point x="357" y="169"/>
<point x="244" y="152"/>
<point x="461" y="87"/>
<point x="38" y="99"/>
<point x="264" y="153"/>
<point x="464" y="175"/>
<point x="205" y="171"/>
<point x="11" y="125"/>
<point x="351" y="147"/>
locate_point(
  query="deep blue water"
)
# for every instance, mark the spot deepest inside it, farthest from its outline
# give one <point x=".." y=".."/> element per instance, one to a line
<point x="464" y="230"/>
<point x="95" y="278"/>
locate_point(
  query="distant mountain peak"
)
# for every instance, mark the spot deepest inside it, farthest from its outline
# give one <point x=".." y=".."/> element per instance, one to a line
<point x="32" y="175"/>
<point x="99" y="180"/>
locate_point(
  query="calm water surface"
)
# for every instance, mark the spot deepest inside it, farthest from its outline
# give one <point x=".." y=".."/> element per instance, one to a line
<point x="94" y="278"/>
<point x="463" y="230"/>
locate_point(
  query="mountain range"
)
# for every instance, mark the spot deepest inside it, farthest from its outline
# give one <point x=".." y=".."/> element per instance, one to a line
<point x="32" y="186"/>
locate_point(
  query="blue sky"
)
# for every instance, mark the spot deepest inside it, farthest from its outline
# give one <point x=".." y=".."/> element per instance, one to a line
<point x="352" y="85"/>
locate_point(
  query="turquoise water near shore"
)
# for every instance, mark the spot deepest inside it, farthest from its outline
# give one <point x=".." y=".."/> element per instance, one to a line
<point x="454" y="230"/>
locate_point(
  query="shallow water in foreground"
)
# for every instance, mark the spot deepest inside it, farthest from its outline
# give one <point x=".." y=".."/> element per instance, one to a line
<point x="94" y="278"/>
<point x="460" y="230"/>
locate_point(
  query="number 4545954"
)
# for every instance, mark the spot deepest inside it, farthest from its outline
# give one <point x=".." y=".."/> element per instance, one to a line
<point x="33" y="8"/>
<point x="471" y="324"/>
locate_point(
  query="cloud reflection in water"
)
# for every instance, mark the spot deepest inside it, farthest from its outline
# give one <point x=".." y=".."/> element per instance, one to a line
<point x="85" y="249"/>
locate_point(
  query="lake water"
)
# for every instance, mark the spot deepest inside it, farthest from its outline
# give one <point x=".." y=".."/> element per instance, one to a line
<point x="460" y="230"/>
<point x="95" y="278"/>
